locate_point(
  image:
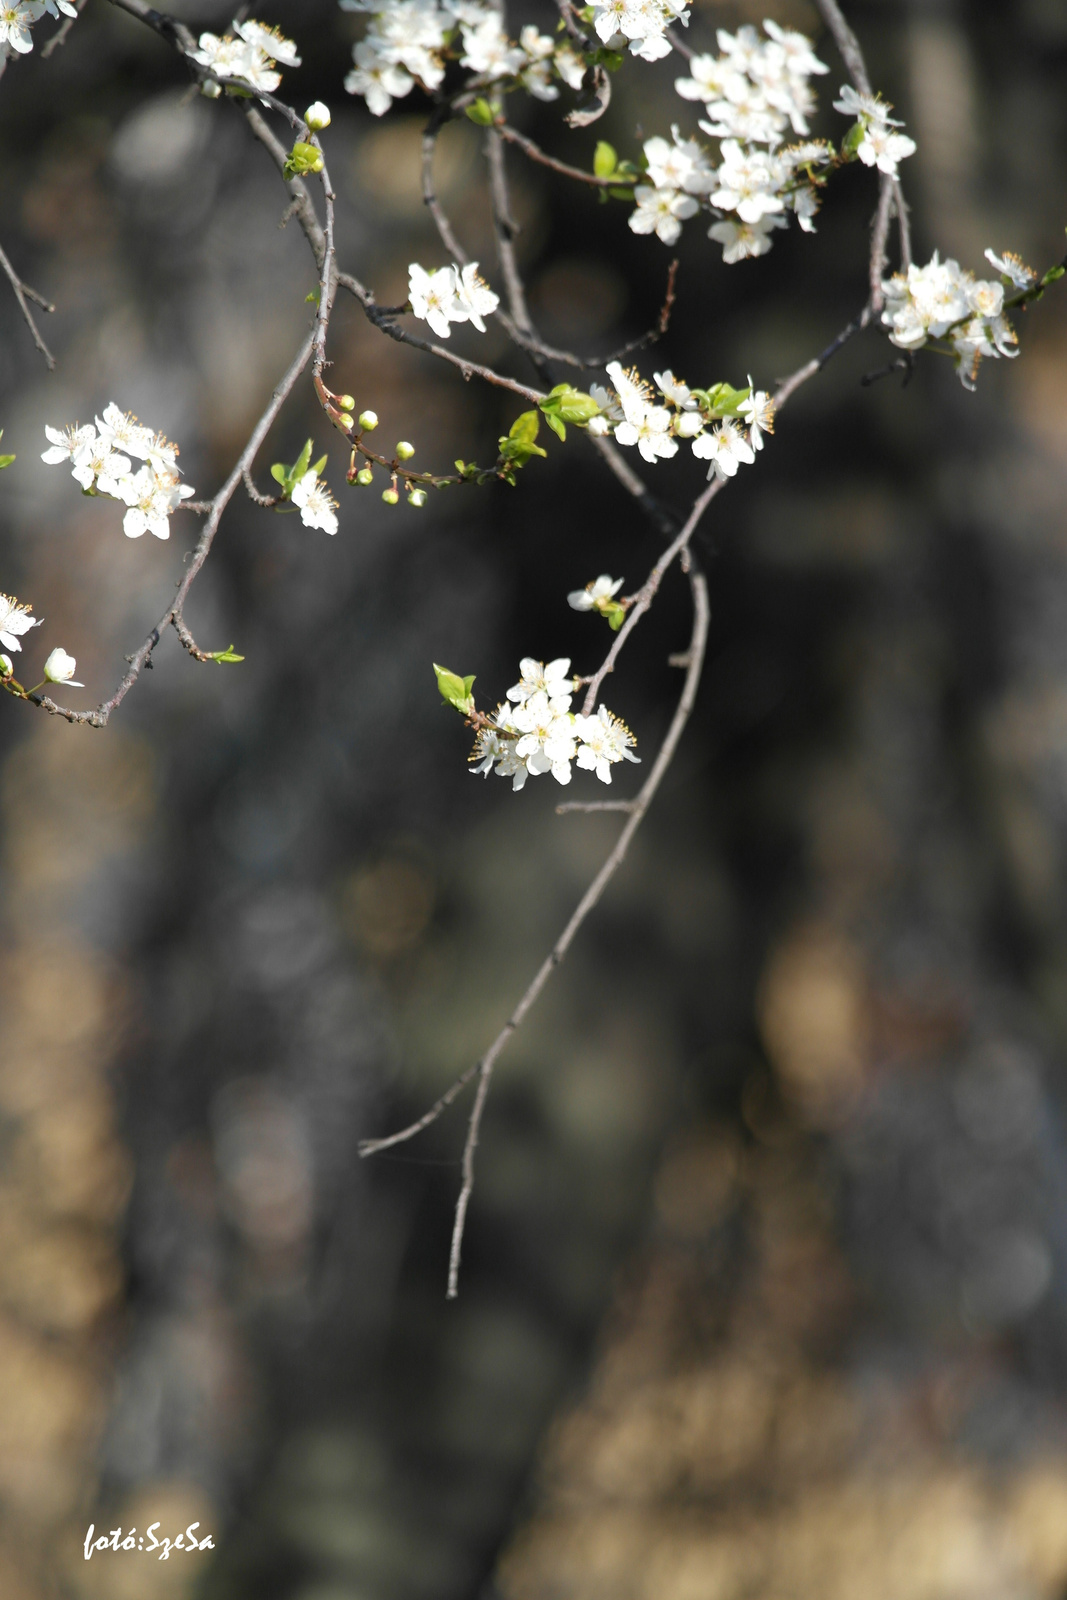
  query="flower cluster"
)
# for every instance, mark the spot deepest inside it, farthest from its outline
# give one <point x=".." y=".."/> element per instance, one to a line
<point x="100" y="461"/>
<point x="753" y="91"/>
<point x="725" y="426"/>
<point x="534" y="731"/>
<point x="872" y="138"/>
<point x="17" y="19"/>
<point x="638" y="25"/>
<point x="250" y="54"/>
<point x="944" y="301"/>
<point x="450" y="294"/>
<point x="408" y="42"/>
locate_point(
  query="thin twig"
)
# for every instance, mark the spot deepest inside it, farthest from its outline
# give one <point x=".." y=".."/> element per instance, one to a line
<point x="60" y="35"/>
<point x="847" y="43"/>
<point x="542" y="157"/>
<point x="22" y="294"/>
<point x="594" y="805"/>
<point x="640" y="805"/>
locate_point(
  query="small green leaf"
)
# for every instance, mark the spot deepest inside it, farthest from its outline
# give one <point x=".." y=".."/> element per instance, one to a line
<point x="313" y="298"/>
<point x="301" y="464"/>
<point x="1052" y="275"/>
<point x="853" y="138"/>
<point x="481" y="112"/>
<point x="280" y="473"/>
<point x="615" y="614"/>
<point x="5" y="461"/>
<point x="320" y="463"/>
<point x="556" y="425"/>
<point x="604" y="159"/>
<point x="229" y="654"/>
<point x="525" y="428"/>
<point x="621" y="194"/>
<point x="455" y="691"/>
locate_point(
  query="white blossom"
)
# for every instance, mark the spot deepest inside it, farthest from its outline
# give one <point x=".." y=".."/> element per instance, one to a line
<point x="589" y="598"/>
<point x="643" y="23"/>
<point x="433" y="297"/>
<point x="60" y="668"/>
<point x="758" y="412"/>
<point x="16" y="22"/>
<point x="488" y="50"/>
<point x="66" y="442"/>
<point x="553" y="681"/>
<point x="879" y="146"/>
<point x="15" y="620"/>
<point x="494" y="750"/>
<point x="570" y="66"/>
<point x="378" y="80"/>
<point x="546" y="737"/>
<point x="748" y="182"/>
<point x="269" y="41"/>
<point x="742" y="239"/>
<point x="604" y="740"/>
<point x="661" y="211"/>
<point x="1014" y="268"/>
<point x="150" y="497"/>
<point x="726" y="447"/>
<point x="473" y="297"/>
<point x="318" y="508"/>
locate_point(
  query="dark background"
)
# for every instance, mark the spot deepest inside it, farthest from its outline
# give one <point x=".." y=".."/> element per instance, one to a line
<point x="771" y="1212"/>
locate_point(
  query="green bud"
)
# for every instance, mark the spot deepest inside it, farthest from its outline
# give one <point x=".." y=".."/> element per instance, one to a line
<point x="481" y="112"/>
<point x="404" y="450"/>
<point x="417" y="497"/>
<point x="365" y="476"/>
<point x="346" y="420"/>
<point x="346" y="402"/>
<point x="367" y="419"/>
<point x="390" y="497"/>
<point x="317" y="116"/>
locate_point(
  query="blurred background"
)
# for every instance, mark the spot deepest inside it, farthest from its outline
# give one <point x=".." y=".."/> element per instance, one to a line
<point x="765" y="1283"/>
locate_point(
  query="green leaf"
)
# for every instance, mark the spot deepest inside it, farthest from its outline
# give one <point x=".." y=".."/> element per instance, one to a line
<point x="604" y="159"/>
<point x="621" y="194"/>
<point x="615" y="614"/>
<point x="229" y="654"/>
<point x="556" y="425"/>
<point x="525" y="428"/>
<point x="723" y="400"/>
<point x="5" y="461"/>
<point x="455" y="691"/>
<point x="280" y="473"/>
<point x="301" y="464"/>
<point x="1052" y="275"/>
<point x="313" y="298"/>
<point x="568" y="405"/>
<point x="320" y="463"/>
<point x="853" y="138"/>
<point x="482" y="113"/>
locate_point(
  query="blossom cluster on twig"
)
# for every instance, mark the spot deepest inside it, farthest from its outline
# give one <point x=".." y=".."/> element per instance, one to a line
<point x="724" y="425"/>
<point x="249" y="55"/>
<point x="99" y="459"/>
<point x="944" y="302"/>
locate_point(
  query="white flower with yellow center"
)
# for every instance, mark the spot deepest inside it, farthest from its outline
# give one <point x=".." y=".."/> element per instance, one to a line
<point x="15" y="620"/>
<point x="604" y="741"/>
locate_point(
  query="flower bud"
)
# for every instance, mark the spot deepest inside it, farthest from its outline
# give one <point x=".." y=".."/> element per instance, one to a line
<point x="365" y="476"/>
<point x="346" y="420"/>
<point x="404" y="450"/>
<point x="417" y="497"/>
<point x="60" y="668"/>
<point x="210" y="89"/>
<point x="6" y="667"/>
<point x="346" y="402"/>
<point x="368" y="419"/>
<point x="390" y="497"/>
<point x="317" y="116"/>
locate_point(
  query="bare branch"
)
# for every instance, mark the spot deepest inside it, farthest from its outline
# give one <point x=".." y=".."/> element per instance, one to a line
<point x="594" y="805"/>
<point x="370" y="1147"/>
<point x="847" y="43"/>
<point x="592" y="895"/>
<point x="60" y="35"/>
<point x="535" y="153"/>
<point x="22" y="294"/>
